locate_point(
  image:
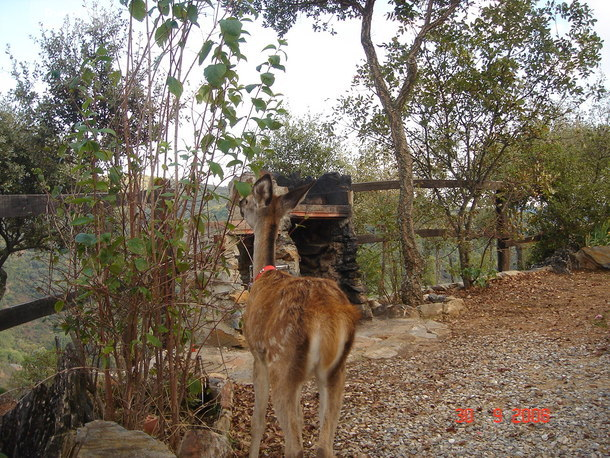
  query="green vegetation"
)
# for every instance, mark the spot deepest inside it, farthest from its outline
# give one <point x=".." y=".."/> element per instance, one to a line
<point x="136" y="240"/>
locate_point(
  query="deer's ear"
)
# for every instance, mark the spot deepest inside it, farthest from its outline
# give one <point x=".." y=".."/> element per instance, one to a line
<point x="262" y="191"/>
<point x="295" y="197"/>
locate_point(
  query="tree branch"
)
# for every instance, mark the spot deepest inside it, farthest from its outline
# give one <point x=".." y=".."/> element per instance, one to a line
<point x="371" y="55"/>
<point x="429" y="25"/>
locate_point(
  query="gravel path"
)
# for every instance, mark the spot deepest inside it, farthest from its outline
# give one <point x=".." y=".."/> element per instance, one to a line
<point x="534" y="343"/>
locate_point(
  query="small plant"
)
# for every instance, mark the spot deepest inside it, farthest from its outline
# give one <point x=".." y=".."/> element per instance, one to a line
<point x="599" y="235"/>
<point x="480" y="277"/>
<point x="600" y="320"/>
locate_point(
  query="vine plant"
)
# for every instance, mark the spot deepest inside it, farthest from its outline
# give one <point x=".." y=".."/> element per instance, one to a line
<point x="139" y="227"/>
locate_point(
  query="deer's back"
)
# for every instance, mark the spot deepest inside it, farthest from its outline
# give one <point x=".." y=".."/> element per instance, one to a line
<point x="306" y="320"/>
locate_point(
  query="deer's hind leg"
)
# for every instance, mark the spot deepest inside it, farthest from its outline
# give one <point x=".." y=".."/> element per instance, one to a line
<point x="331" y="383"/>
<point x="331" y="398"/>
<point x="261" y="400"/>
<point x="286" y="394"/>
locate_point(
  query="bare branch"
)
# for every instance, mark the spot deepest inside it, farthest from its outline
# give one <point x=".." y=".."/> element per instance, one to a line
<point x="427" y="27"/>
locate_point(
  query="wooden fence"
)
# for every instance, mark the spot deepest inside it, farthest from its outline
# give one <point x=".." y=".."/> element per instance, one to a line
<point x="504" y="243"/>
<point x="15" y="206"/>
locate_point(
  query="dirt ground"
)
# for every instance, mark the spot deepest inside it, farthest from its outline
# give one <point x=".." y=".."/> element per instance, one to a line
<point x="561" y="310"/>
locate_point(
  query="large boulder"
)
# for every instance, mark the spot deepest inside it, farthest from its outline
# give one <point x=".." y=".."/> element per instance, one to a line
<point x="42" y="420"/>
<point x="593" y="258"/>
<point x="100" y="439"/>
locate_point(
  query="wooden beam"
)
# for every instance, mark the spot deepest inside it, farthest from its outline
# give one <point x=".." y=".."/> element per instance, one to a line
<point x="322" y="211"/>
<point x="30" y="311"/>
<point x="22" y="205"/>
<point x="427" y="184"/>
<point x="425" y="233"/>
<point x="523" y="241"/>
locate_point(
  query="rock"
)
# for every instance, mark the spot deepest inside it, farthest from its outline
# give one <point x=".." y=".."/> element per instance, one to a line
<point x="454" y="307"/>
<point x="380" y="353"/>
<point x="422" y="332"/>
<point x="240" y="297"/>
<point x="431" y="310"/>
<point x="410" y="312"/>
<point x="204" y="443"/>
<point x="42" y="420"/>
<point x="436" y="297"/>
<point x="560" y="261"/>
<point x="593" y="258"/>
<point x="106" y="438"/>
<point x="222" y="335"/>
<point x="365" y="311"/>
<point x="509" y="273"/>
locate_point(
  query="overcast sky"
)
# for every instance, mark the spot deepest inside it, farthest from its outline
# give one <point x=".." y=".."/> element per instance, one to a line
<point x="319" y="69"/>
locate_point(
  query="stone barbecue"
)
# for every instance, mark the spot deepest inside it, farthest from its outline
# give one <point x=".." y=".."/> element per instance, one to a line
<point x="317" y="239"/>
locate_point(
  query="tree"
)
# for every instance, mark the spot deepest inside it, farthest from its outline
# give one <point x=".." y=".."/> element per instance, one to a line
<point x="491" y="79"/>
<point x="145" y="256"/>
<point x="24" y="156"/>
<point x="568" y="173"/>
<point x="306" y="146"/>
<point x="34" y="120"/>
<point x="393" y="89"/>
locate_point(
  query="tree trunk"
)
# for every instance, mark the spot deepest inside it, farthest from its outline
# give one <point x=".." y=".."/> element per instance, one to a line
<point x="410" y="290"/>
<point x="411" y="287"/>
<point x="3" y="279"/>
<point x="464" y="253"/>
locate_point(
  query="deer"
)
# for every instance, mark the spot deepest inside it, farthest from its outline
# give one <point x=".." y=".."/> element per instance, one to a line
<point x="295" y="328"/>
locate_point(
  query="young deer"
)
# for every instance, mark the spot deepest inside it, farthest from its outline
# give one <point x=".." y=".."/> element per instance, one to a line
<point x="295" y="328"/>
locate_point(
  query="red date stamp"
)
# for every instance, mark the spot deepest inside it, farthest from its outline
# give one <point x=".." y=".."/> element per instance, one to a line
<point x="516" y="416"/>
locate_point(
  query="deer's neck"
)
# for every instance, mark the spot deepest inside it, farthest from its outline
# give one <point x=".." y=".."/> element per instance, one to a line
<point x="264" y="247"/>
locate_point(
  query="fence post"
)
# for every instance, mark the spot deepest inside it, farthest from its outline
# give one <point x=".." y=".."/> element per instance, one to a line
<point x="501" y="232"/>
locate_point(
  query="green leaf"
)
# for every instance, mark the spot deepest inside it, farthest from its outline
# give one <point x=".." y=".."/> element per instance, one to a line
<point x="80" y="200"/>
<point x="141" y="264"/>
<point x="103" y="155"/>
<point x="203" y="94"/>
<point x="227" y="143"/>
<point x="275" y="62"/>
<point x="163" y="32"/>
<point x="205" y="50"/>
<point x="153" y="340"/>
<point x="216" y="169"/>
<point x="192" y="13"/>
<point x="183" y="266"/>
<point x="215" y="74"/>
<point x="107" y="130"/>
<point x="207" y="140"/>
<point x="268" y="78"/>
<point x="114" y="175"/>
<point x="59" y="306"/>
<point x="136" y="246"/>
<point x="174" y="86"/>
<point x="85" y="239"/>
<point x="251" y="87"/>
<point x="259" y="104"/>
<point x="137" y="9"/>
<point x="230" y="29"/>
<point x="164" y="7"/>
<point x="269" y="47"/>
<point x="200" y="224"/>
<point x="243" y="188"/>
<point x="195" y="388"/>
<point x="82" y="220"/>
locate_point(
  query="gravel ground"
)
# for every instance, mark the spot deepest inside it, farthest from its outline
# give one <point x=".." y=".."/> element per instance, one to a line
<point x="539" y="342"/>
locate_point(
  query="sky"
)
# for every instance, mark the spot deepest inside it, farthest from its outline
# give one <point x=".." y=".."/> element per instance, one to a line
<point x="319" y="68"/>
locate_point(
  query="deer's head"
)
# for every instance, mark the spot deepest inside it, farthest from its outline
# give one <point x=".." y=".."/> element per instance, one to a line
<point x="262" y="207"/>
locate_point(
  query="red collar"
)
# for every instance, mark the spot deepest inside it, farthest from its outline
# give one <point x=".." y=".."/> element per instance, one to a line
<point x="263" y="270"/>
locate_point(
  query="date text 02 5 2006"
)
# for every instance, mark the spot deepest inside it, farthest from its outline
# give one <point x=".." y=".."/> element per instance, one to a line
<point x="518" y="415"/>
